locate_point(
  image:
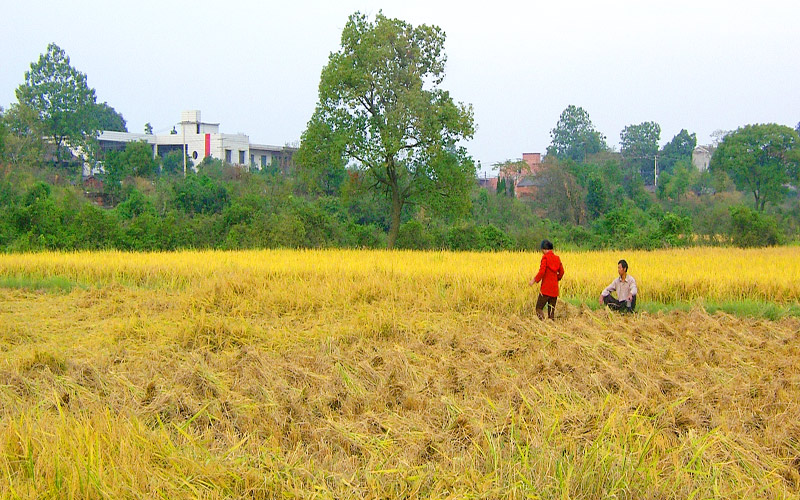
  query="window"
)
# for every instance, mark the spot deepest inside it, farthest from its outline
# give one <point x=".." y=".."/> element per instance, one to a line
<point x="241" y="157"/>
<point x="263" y="161"/>
<point x="198" y="128"/>
<point x="228" y="158"/>
<point x="252" y="159"/>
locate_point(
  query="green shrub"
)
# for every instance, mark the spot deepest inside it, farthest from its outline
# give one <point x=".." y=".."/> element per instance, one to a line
<point x="753" y="229"/>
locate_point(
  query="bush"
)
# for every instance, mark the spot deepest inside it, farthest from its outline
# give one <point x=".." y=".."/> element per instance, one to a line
<point x="753" y="229"/>
<point x="495" y="239"/>
<point x="465" y="237"/>
<point x="412" y="235"/>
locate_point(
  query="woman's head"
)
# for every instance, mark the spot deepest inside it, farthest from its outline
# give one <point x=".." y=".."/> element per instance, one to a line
<point x="547" y="245"/>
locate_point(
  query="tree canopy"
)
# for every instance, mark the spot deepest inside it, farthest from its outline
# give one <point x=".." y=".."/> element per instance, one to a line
<point x="380" y="107"/>
<point x="574" y="136"/>
<point x="107" y="118"/>
<point x="678" y="149"/>
<point x="760" y="159"/>
<point x="639" y="146"/>
<point x="60" y="95"/>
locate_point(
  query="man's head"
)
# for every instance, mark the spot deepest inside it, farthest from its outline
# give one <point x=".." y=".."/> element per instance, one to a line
<point x="546" y="245"/>
<point x="622" y="268"/>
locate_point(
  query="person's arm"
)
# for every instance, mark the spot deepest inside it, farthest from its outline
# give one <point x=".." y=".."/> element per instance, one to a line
<point x="607" y="290"/>
<point x="633" y="290"/>
<point x="560" y="272"/>
<point x="540" y="274"/>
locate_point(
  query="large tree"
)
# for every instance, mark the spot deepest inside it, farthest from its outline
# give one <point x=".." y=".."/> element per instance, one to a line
<point x="679" y="149"/>
<point x="639" y="146"/>
<point x="107" y="118"/>
<point x="62" y="98"/>
<point x="23" y="142"/>
<point x="381" y="107"/>
<point x="575" y="136"/>
<point x="761" y="159"/>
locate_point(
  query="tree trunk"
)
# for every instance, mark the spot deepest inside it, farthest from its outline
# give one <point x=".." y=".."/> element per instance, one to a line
<point x="394" y="226"/>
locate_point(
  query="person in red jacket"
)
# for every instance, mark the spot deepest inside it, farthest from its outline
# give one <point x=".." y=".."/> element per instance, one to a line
<point x="550" y="273"/>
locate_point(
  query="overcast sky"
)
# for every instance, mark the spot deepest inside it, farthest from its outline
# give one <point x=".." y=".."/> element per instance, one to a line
<point x="254" y="66"/>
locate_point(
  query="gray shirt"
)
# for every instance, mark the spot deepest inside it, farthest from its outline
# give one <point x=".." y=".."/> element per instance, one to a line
<point x="624" y="289"/>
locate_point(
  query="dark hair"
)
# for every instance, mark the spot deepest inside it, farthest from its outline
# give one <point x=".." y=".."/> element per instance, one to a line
<point x="547" y="245"/>
<point x="624" y="264"/>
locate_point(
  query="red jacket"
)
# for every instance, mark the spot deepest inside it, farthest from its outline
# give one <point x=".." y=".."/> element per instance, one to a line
<point x="550" y="273"/>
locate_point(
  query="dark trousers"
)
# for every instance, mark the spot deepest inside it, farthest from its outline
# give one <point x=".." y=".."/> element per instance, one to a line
<point x="550" y="302"/>
<point x="619" y="305"/>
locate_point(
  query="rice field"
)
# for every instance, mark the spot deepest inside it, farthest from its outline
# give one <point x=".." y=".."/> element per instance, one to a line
<point x="366" y="374"/>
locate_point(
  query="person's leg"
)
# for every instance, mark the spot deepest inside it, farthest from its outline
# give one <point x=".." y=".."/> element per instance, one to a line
<point x="551" y="307"/>
<point x="612" y="303"/>
<point x="540" y="302"/>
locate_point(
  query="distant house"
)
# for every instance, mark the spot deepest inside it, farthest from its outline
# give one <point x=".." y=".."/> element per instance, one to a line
<point x="490" y="183"/>
<point x="528" y="186"/>
<point x="701" y="157"/>
<point x="201" y="140"/>
<point x="516" y="172"/>
<point x="94" y="189"/>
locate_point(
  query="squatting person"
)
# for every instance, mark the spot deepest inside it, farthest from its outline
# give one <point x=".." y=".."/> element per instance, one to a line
<point x="625" y="287"/>
<point x="550" y="273"/>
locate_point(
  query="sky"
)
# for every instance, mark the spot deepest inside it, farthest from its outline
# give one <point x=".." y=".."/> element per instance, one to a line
<point x="254" y="66"/>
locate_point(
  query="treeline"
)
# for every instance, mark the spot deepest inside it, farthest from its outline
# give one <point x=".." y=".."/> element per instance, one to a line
<point x="227" y="207"/>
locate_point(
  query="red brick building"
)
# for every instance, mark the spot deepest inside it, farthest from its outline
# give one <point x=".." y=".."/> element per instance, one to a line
<point x="521" y="173"/>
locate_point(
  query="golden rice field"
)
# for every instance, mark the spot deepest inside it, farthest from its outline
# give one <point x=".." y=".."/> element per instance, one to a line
<point x="367" y="374"/>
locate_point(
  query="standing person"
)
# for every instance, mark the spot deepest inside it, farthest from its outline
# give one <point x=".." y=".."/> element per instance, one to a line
<point x="550" y="273"/>
<point x="625" y="286"/>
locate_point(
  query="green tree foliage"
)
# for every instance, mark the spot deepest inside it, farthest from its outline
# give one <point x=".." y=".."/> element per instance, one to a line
<point x="62" y="98"/>
<point x="135" y="160"/>
<point x="321" y="158"/>
<point x="22" y="136"/>
<point x="639" y="146"/>
<point x="559" y="196"/>
<point x="675" y="186"/>
<point x="760" y="159"/>
<point x="750" y="228"/>
<point x="380" y="96"/>
<point x="3" y="132"/>
<point x="574" y="136"/>
<point x="678" y="149"/>
<point x="200" y="194"/>
<point x="172" y="163"/>
<point x="106" y="118"/>
<point x="597" y="196"/>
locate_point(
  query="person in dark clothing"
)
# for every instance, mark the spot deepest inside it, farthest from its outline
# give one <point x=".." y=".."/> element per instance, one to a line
<point x="550" y="273"/>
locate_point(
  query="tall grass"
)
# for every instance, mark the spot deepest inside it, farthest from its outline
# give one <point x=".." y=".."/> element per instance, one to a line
<point x="346" y="374"/>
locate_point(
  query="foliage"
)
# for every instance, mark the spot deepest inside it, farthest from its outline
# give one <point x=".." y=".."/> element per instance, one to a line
<point x="22" y="133"/>
<point x="679" y="149"/>
<point x="320" y="159"/>
<point x="760" y="159"/>
<point x="574" y="136"/>
<point x="597" y="196"/>
<point x="559" y="195"/>
<point x="62" y="99"/>
<point x="753" y="229"/>
<point x="379" y="96"/>
<point x="172" y="163"/>
<point x="107" y="118"/>
<point x="639" y="146"/>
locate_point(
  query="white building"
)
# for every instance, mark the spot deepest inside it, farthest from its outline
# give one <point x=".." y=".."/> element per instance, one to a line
<point x="200" y="140"/>
<point x="701" y="157"/>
